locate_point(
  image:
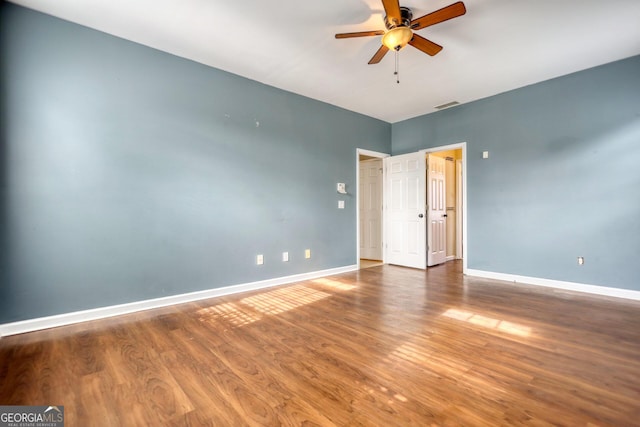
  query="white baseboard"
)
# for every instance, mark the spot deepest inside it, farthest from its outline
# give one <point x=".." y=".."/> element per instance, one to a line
<point x="558" y="284"/>
<point x="31" y="325"/>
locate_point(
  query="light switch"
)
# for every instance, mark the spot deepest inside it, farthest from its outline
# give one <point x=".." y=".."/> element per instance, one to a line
<point x="485" y="154"/>
<point x="285" y="256"/>
<point x="340" y="204"/>
<point x="260" y="259"/>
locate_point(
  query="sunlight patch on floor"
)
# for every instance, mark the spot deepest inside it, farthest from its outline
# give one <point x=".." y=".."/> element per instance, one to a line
<point x="230" y="312"/>
<point x="488" y="322"/>
<point x="334" y="284"/>
<point x="285" y="299"/>
<point x="251" y="309"/>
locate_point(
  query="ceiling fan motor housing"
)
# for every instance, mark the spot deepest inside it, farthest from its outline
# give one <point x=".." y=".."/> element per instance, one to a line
<point x="405" y="19"/>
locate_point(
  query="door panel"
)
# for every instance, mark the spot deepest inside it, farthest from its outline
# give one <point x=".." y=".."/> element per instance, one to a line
<point x="406" y="225"/>
<point x="436" y="211"/>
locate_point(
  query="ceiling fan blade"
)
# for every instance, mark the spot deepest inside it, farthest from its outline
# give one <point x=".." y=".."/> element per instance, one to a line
<point x="392" y="9"/>
<point x="379" y="55"/>
<point x="359" y="34"/>
<point x="440" y="15"/>
<point x="427" y="46"/>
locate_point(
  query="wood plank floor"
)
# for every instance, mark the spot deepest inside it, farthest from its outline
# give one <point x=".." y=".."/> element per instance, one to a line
<point x="385" y="346"/>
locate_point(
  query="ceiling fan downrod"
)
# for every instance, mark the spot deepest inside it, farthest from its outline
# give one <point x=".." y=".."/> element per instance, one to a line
<point x="406" y="15"/>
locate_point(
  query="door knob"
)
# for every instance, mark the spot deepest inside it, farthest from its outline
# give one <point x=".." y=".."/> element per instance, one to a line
<point x="444" y="216"/>
<point x="420" y="215"/>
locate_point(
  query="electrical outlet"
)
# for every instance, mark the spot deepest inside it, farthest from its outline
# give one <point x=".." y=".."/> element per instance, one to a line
<point x="307" y="253"/>
<point x="340" y="204"/>
<point x="260" y="259"/>
<point x="580" y="260"/>
<point x="285" y="256"/>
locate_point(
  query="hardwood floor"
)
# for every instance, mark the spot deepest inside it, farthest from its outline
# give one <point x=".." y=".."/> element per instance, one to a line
<point x="368" y="263"/>
<point x="385" y="346"/>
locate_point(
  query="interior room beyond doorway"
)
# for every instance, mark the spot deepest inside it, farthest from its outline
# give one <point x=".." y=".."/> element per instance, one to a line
<point x="453" y="201"/>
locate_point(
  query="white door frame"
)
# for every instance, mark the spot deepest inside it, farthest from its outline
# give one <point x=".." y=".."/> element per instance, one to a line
<point x="463" y="147"/>
<point x="363" y="152"/>
<point x="459" y="205"/>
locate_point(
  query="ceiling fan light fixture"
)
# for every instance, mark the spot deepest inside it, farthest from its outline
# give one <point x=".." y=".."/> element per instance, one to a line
<point x="397" y="38"/>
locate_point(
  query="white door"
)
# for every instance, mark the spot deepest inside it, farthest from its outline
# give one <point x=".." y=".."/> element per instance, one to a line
<point x="371" y="209"/>
<point x="436" y="211"/>
<point x="404" y="210"/>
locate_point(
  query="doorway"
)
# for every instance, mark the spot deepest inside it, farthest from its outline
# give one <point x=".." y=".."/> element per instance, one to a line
<point x="456" y="201"/>
<point x="457" y="250"/>
<point x="369" y="212"/>
<point x="405" y="208"/>
<point x="444" y="200"/>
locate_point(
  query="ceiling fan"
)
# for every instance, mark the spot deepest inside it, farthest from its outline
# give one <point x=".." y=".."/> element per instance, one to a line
<point x="401" y="26"/>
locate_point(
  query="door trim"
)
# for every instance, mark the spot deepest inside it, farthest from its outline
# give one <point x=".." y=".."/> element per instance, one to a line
<point x="459" y="214"/>
<point x="376" y="154"/>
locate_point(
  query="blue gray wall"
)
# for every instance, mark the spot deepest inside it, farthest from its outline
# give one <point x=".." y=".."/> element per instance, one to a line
<point x="129" y="174"/>
<point x="562" y="179"/>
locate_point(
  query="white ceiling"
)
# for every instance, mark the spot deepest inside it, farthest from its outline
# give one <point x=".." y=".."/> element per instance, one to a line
<point x="497" y="46"/>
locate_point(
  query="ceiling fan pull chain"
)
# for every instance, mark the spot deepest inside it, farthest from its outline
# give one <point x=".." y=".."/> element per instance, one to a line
<point x="397" y="72"/>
